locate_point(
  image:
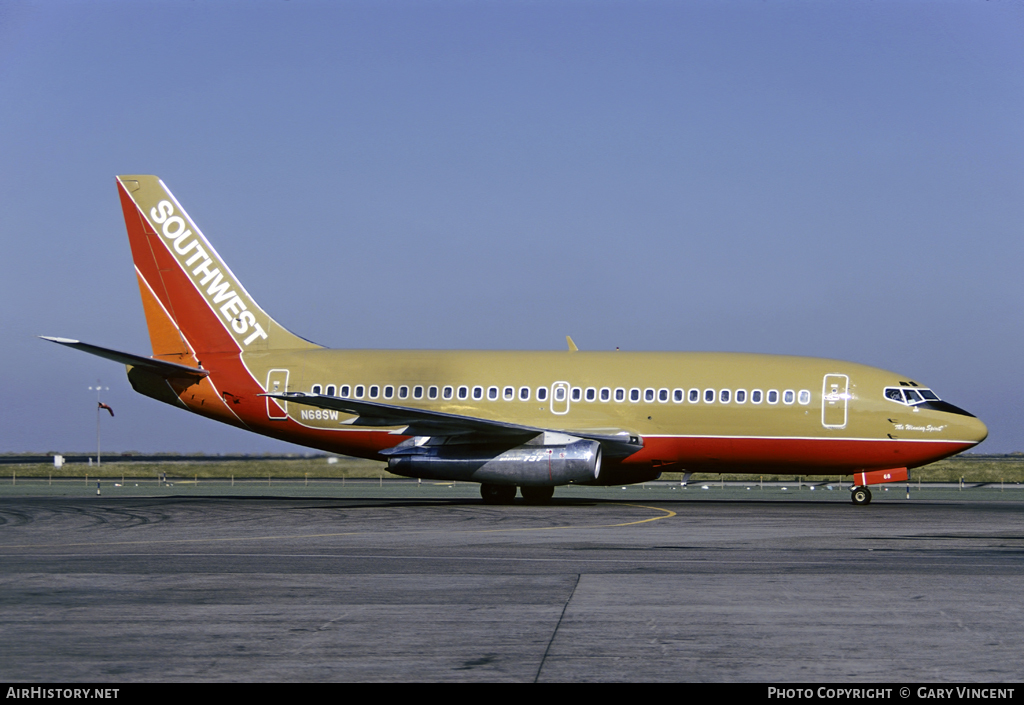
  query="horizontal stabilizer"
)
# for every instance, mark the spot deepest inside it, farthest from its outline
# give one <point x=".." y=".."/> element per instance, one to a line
<point x="160" y="367"/>
<point x="423" y="422"/>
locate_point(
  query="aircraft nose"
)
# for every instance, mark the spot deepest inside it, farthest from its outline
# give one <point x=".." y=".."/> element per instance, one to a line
<point x="965" y="425"/>
<point x="976" y="430"/>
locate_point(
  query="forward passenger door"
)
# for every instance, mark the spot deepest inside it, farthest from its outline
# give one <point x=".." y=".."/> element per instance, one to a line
<point x="835" y="397"/>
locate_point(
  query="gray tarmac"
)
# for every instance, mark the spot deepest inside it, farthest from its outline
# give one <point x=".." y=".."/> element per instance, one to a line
<point x="400" y="582"/>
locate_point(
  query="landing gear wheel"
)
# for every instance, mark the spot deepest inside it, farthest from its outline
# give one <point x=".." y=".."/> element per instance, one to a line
<point x="498" y="494"/>
<point x="861" y="496"/>
<point x="537" y="495"/>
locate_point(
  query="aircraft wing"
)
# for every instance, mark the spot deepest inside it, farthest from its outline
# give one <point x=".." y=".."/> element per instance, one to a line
<point x="161" y="367"/>
<point x="423" y="422"/>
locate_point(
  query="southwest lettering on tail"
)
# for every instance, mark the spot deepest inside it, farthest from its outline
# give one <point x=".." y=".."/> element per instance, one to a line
<point x="217" y="287"/>
<point x="508" y="420"/>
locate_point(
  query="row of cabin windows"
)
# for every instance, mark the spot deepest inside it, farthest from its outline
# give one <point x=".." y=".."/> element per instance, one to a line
<point x="605" y="394"/>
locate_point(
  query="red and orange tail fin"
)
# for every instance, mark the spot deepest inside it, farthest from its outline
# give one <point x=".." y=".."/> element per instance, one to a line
<point x="194" y="304"/>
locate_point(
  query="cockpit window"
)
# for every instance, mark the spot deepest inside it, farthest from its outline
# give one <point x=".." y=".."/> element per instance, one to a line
<point x="910" y="397"/>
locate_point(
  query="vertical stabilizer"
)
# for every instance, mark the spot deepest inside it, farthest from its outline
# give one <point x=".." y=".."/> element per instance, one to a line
<point x="194" y="304"/>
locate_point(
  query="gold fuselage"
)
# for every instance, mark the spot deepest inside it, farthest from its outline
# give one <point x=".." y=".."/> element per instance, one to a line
<point x="801" y="429"/>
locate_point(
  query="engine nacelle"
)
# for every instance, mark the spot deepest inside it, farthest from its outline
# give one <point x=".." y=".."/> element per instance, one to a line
<point x="537" y="465"/>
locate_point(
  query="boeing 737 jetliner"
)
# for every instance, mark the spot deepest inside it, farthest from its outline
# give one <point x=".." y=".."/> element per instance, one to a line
<point x="532" y="420"/>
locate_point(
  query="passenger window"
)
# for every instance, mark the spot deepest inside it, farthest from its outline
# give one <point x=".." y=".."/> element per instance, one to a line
<point x="345" y="390"/>
<point x="447" y="393"/>
<point x="741" y="396"/>
<point x="417" y="392"/>
<point x="374" y="391"/>
<point x="756" y="396"/>
<point x="510" y="393"/>
<point x="788" y="396"/>
<point x="591" y="394"/>
<point x="542" y="393"/>
<point x="492" y="393"/>
<point x="648" y="395"/>
<point x="316" y="389"/>
<point x="389" y="392"/>
<point x="606" y="394"/>
<point x="773" y="396"/>
<point x="709" y="396"/>
<point x="330" y="390"/>
<point x="576" y="393"/>
<point x="634" y="394"/>
<point x="432" y="393"/>
<point x="463" y="392"/>
<point x="478" y="392"/>
<point x="403" y="392"/>
<point x="804" y="397"/>
<point x="694" y="396"/>
<point x="662" y="395"/>
<point x="524" y="394"/>
<point x="559" y="393"/>
<point x="360" y="390"/>
<point x="677" y="395"/>
<point x="620" y="394"/>
<point x="724" y="395"/>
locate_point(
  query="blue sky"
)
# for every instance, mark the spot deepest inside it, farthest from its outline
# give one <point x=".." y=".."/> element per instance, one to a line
<point x="841" y="180"/>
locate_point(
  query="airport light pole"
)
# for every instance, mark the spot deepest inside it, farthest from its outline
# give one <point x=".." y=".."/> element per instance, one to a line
<point x="99" y="407"/>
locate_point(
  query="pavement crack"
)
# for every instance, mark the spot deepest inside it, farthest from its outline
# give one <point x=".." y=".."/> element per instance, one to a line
<point x="557" y="625"/>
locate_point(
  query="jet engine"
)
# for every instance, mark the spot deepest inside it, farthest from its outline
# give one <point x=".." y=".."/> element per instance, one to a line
<point x="529" y="465"/>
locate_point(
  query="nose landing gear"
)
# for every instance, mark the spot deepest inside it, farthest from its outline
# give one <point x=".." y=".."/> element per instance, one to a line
<point x="861" y="496"/>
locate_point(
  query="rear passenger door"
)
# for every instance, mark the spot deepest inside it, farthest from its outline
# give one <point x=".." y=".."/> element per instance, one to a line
<point x="277" y="382"/>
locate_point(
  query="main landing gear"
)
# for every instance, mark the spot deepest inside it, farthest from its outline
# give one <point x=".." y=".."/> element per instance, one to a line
<point x="498" y="494"/>
<point x="861" y="496"/>
<point x="506" y="494"/>
<point x="537" y="495"/>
